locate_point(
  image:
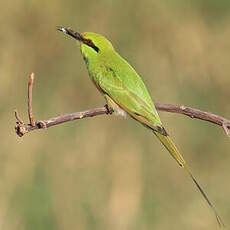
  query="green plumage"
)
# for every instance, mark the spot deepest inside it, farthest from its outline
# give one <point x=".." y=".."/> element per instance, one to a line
<point x="124" y="89"/>
<point x="115" y="78"/>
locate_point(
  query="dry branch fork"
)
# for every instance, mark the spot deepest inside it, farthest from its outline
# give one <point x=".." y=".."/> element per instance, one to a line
<point x="22" y="128"/>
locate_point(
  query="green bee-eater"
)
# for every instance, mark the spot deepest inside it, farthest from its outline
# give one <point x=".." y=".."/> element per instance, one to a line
<point x="125" y="92"/>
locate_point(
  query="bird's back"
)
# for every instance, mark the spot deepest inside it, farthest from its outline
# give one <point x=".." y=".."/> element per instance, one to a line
<point x="129" y="78"/>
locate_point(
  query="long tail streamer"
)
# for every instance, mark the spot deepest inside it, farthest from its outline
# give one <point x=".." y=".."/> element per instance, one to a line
<point x="170" y="146"/>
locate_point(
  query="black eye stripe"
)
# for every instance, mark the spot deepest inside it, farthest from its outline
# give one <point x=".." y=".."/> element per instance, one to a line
<point x="90" y="43"/>
<point x="95" y="48"/>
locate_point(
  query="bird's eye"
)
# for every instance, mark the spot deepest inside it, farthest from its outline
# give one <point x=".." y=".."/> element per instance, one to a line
<point x="90" y="43"/>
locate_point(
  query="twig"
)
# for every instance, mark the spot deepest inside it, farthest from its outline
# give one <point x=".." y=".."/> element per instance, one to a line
<point x="30" y="88"/>
<point x="19" y="120"/>
<point x="196" y="113"/>
<point x="22" y="128"/>
<point x="226" y="127"/>
<point x="59" y="120"/>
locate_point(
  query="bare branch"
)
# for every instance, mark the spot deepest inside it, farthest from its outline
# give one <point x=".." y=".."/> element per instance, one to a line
<point x="196" y="113"/>
<point x="19" y="120"/>
<point x="30" y="87"/>
<point x="22" y="128"/>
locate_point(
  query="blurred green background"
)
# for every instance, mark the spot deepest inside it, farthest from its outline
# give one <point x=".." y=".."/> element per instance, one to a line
<point x="107" y="172"/>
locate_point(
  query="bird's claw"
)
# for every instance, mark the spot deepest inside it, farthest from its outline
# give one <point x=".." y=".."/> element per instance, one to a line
<point x="108" y="109"/>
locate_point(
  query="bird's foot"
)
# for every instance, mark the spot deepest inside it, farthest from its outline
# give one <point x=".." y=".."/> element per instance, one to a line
<point x="109" y="110"/>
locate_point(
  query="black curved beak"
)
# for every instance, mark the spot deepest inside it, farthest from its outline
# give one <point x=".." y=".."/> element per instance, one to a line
<point x="70" y="32"/>
<point x="77" y="36"/>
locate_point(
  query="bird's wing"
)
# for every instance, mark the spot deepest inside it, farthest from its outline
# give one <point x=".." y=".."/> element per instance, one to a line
<point x="123" y="95"/>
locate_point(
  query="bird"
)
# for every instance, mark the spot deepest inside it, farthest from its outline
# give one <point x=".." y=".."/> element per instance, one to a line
<point x="125" y="92"/>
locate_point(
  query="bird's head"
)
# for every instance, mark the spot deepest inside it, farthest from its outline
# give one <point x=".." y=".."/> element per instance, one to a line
<point x="92" y="44"/>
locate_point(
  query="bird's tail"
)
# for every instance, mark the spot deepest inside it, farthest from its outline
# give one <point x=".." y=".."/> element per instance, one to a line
<point x="170" y="146"/>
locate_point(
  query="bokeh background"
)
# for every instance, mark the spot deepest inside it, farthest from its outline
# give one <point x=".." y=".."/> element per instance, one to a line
<point x="107" y="172"/>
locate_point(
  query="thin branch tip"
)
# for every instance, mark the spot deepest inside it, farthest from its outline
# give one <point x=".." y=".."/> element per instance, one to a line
<point x="18" y="117"/>
<point x="226" y="127"/>
<point x="32" y="76"/>
<point x="30" y="89"/>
